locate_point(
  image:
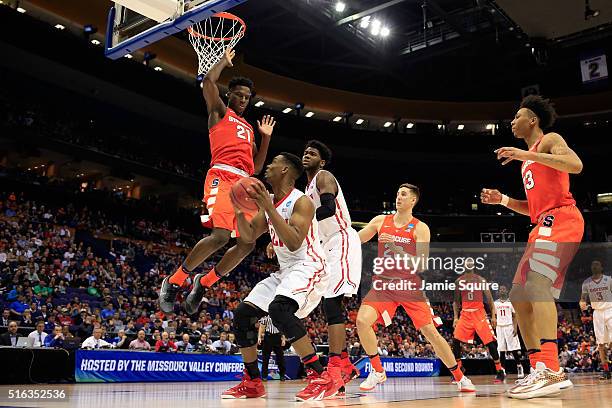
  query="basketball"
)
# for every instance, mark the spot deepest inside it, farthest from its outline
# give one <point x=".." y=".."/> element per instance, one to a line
<point x="240" y="195"/>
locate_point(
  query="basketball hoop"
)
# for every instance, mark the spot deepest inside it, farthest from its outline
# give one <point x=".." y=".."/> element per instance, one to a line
<point x="211" y="37"/>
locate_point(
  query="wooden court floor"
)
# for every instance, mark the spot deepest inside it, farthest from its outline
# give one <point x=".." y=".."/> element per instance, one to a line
<point x="434" y="392"/>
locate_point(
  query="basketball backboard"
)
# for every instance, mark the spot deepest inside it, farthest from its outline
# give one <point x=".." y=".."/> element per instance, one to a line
<point x="135" y="24"/>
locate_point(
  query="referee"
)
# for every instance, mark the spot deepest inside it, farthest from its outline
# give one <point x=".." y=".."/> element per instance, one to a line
<point x="270" y="340"/>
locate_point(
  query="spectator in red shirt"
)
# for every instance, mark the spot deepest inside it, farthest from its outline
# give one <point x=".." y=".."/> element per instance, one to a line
<point x="165" y="345"/>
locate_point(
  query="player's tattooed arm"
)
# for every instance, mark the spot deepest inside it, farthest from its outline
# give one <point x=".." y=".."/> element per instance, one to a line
<point x="214" y="104"/>
<point x="555" y="153"/>
<point x="368" y="232"/>
<point x="492" y="196"/>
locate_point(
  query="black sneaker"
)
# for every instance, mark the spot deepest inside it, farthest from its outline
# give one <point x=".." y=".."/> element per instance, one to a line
<point x="500" y="377"/>
<point x="605" y="376"/>
<point x="192" y="303"/>
<point x="167" y="295"/>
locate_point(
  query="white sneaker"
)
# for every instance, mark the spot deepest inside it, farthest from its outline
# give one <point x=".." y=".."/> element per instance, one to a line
<point x="540" y="383"/>
<point x="520" y="371"/>
<point x="374" y="378"/>
<point x="465" y="385"/>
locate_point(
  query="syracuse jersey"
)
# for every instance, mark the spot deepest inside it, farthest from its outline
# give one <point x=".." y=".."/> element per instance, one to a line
<point x="231" y="143"/>
<point x="546" y="188"/>
<point x="471" y="299"/>
<point x="554" y="240"/>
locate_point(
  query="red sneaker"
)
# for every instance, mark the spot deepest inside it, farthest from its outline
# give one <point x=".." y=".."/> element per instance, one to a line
<point x="247" y="388"/>
<point x="349" y="371"/>
<point x="323" y="387"/>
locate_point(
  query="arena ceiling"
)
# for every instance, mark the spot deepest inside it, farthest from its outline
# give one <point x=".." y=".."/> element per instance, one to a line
<point x="463" y="50"/>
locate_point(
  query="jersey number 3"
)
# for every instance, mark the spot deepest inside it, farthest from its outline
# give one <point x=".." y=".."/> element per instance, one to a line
<point x="243" y="133"/>
<point x="528" y="180"/>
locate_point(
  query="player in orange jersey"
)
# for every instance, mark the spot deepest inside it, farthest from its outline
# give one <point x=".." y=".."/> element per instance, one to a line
<point x="401" y="235"/>
<point x="234" y="156"/>
<point x="552" y="243"/>
<point x="470" y="291"/>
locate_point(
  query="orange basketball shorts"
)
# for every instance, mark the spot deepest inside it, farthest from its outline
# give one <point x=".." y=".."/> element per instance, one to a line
<point x="386" y="303"/>
<point x="217" y="187"/>
<point x="474" y="322"/>
<point x="552" y="244"/>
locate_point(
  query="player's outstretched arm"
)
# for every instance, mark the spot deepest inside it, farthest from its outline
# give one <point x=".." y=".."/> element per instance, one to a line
<point x="214" y="104"/>
<point x="368" y="232"/>
<point x="492" y="196"/>
<point x="265" y="127"/>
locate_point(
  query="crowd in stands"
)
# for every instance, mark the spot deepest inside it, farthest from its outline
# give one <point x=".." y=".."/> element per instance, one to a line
<point x="102" y="293"/>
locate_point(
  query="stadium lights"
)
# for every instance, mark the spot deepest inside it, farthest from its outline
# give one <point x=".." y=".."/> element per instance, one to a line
<point x="387" y="124"/>
<point x="490" y="126"/>
<point x="340" y="7"/>
<point x="440" y="127"/>
<point x="410" y="126"/>
<point x="21" y="10"/>
<point x="128" y="56"/>
<point x="337" y="118"/>
<point x="260" y="104"/>
<point x="60" y="27"/>
<point x="158" y="69"/>
<point x="365" y="22"/>
<point x="95" y="42"/>
<point x="89" y="29"/>
<point x="287" y="110"/>
<point x="589" y="13"/>
<point x="310" y="114"/>
<point x="359" y="121"/>
<point x="385" y="31"/>
<point x="460" y="127"/>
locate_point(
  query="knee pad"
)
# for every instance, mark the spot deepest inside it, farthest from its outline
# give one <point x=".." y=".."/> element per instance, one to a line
<point x="334" y="312"/>
<point x="282" y="312"/>
<point x="245" y="318"/>
<point x="492" y="346"/>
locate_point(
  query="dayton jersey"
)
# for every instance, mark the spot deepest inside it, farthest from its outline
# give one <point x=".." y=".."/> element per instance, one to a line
<point x="231" y="143"/>
<point x="600" y="292"/>
<point x="331" y="225"/>
<point x="546" y="188"/>
<point x="471" y="297"/>
<point x="310" y="251"/>
<point x="504" y="311"/>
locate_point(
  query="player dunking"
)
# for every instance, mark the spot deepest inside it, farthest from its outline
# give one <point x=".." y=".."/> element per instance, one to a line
<point x="552" y="242"/>
<point x="291" y="293"/>
<point x="342" y="249"/>
<point x="400" y="234"/>
<point x="234" y="156"/>
<point x="598" y="290"/>
<point x="507" y="329"/>
<point x="473" y="318"/>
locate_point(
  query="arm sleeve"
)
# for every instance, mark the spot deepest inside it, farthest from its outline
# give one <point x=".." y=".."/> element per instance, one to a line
<point x="328" y="206"/>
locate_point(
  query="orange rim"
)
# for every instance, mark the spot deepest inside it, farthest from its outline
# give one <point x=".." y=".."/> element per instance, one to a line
<point x="225" y="15"/>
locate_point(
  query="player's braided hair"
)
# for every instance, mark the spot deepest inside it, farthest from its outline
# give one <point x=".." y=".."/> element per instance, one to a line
<point x="542" y="108"/>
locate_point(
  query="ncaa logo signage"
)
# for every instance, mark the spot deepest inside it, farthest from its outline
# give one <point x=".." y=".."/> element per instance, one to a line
<point x="410" y="226"/>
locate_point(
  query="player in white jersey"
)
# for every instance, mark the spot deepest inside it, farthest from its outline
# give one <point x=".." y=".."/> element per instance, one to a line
<point x="342" y="249"/>
<point x="598" y="290"/>
<point x="506" y="329"/>
<point x="291" y="293"/>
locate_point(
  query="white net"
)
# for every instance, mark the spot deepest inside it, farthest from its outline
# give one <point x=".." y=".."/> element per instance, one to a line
<point x="211" y="37"/>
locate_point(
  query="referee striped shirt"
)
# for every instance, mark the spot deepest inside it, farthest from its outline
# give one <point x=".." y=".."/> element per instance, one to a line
<point x="270" y="328"/>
